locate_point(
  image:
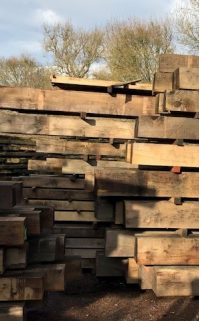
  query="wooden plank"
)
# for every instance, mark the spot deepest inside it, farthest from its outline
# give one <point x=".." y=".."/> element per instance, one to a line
<point x="12" y="312"/>
<point x="79" y="230"/>
<point x="170" y="62"/>
<point x="75" y="102"/>
<point x="33" y="219"/>
<point x="167" y="250"/>
<point x="21" y="288"/>
<point x="62" y="146"/>
<point x="82" y="253"/>
<point x="119" y="243"/>
<point x="10" y="194"/>
<point x="110" y="182"/>
<point x="16" y="257"/>
<point x="57" y="194"/>
<point x="85" y="243"/>
<point x="51" y="181"/>
<point x="13" y="122"/>
<point x="132" y="274"/>
<point x="109" y="266"/>
<point x="12" y="231"/>
<point x="2" y="263"/>
<point x="186" y="78"/>
<point x="65" y="205"/>
<point x="60" y="165"/>
<point x="146" y="277"/>
<point x="162" y="81"/>
<point x="114" y="164"/>
<point x="94" y="83"/>
<point x="182" y="100"/>
<point x="168" y="127"/>
<point x="119" y="213"/>
<point x="46" y="249"/>
<point x="176" y="281"/>
<point x="75" y="216"/>
<point x="104" y="210"/>
<point x="54" y="276"/>
<point x="165" y="155"/>
<point x="161" y="214"/>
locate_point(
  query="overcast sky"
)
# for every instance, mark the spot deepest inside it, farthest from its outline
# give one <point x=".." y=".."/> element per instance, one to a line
<point x="21" y="20"/>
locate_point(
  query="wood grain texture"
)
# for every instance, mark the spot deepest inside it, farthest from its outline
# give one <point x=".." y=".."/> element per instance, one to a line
<point x="182" y="100"/>
<point x="161" y="214"/>
<point x="168" y="250"/>
<point x="119" y="243"/>
<point x="33" y="124"/>
<point x="12" y="231"/>
<point x="64" y="101"/>
<point x="170" y="62"/>
<point x="186" y="78"/>
<point x="122" y="182"/>
<point x="168" y="127"/>
<point x="21" y="288"/>
<point x="176" y="281"/>
<point x="165" y="155"/>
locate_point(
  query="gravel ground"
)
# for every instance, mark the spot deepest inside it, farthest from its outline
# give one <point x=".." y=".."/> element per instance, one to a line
<point x="108" y="300"/>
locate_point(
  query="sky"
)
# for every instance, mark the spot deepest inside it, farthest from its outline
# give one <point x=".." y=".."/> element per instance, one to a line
<point x="21" y="21"/>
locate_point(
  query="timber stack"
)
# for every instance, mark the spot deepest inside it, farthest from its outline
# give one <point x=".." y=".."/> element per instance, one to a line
<point x="114" y="166"/>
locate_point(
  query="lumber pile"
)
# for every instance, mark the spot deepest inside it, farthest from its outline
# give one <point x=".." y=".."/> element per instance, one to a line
<point x="32" y="259"/>
<point x="118" y="163"/>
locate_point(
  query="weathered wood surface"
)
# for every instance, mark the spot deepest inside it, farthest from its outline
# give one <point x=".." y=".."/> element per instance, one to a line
<point x="165" y="155"/>
<point x="182" y="100"/>
<point x="75" y="102"/>
<point x="62" y="146"/>
<point x="16" y="257"/>
<point x="57" y="194"/>
<point x="59" y="165"/>
<point x="186" y="78"/>
<point x="146" y="276"/>
<point x="112" y="182"/>
<point x="80" y="230"/>
<point x="161" y="214"/>
<point x="14" y="122"/>
<point x="162" y="81"/>
<point x="119" y="243"/>
<point x="168" y="250"/>
<point x="81" y="253"/>
<point x="10" y="194"/>
<point x="84" y="83"/>
<point x="21" y="288"/>
<point x="46" y="249"/>
<point x="51" y="181"/>
<point x="170" y="62"/>
<point x="168" y="127"/>
<point x="76" y="216"/>
<point x="12" y="312"/>
<point x="119" y="213"/>
<point x="84" y="243"/>
<point x="65" y="205"/>
<point x="2" y="261"/>
<point x="104" y="210"/>
<point x="54" y="276"/>
<point x="12" y="231"/>
<point x="132" y="273"/>
<point x="176" y="281"/>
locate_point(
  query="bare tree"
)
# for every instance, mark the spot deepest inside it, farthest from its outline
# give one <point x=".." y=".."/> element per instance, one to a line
<point x="23" y="71"/>
<point x="133" y="48"/>
<point x="187" y="22"/>
<point x="73" y="50"/>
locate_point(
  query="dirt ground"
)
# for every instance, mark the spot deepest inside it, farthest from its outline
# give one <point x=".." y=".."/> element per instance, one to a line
<point x="100" y="300"/>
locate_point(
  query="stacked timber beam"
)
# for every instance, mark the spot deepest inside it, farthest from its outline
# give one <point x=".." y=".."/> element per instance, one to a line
<point x="32" y="259"/>
<point x="118" y="162"/>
